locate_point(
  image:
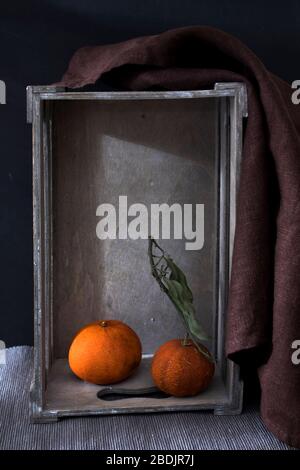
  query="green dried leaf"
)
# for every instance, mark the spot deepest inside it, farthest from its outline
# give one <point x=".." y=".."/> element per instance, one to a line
<point x="177" y="275"/>
<point x="178" y="296"/>
<point x="177" y="292"/>
<point x="195" y="328"/>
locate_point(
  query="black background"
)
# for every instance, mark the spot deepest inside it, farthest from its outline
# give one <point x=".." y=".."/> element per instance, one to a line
<point x="37" y="38"/>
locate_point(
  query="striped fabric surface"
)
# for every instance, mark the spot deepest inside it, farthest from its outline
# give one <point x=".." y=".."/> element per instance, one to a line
<point x="169" y="431"/>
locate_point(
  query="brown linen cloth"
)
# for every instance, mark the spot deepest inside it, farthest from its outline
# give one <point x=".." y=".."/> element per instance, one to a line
<point x="264" y="302"/>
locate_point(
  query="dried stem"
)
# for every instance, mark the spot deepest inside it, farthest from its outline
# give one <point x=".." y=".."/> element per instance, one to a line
<point x="155" y="273"/>
<point x="159" y="273"/>
<point x="154" y="265"/>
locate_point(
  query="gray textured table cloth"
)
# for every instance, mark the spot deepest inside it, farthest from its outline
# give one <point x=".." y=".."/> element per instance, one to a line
<point x="178" y="431"/>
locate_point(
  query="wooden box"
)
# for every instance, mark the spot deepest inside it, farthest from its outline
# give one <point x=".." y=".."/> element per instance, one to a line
<point x="154" y="147"/>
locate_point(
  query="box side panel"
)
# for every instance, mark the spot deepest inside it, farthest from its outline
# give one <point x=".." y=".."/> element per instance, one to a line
<point x="38" y="384"/>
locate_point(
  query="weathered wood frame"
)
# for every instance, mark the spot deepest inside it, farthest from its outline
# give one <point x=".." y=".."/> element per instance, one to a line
<point x="232" y="110"/>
